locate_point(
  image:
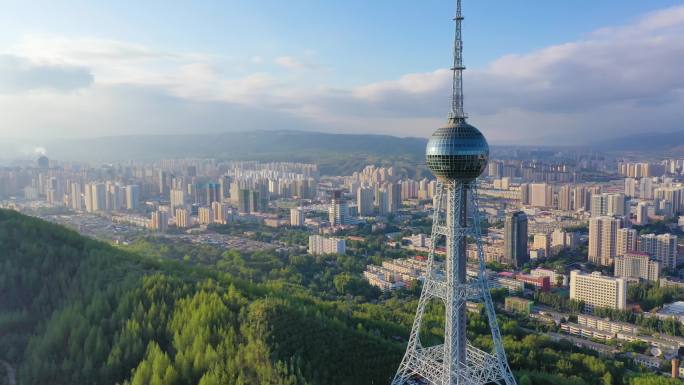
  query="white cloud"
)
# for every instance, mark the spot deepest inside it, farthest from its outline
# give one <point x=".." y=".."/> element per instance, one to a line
<point x="615" y="81"/>
<point x="292" y="63"/>
<point x="18" y="74"/>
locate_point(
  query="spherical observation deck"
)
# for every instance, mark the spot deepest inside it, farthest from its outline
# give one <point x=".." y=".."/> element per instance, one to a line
<point x="457" y="151"/>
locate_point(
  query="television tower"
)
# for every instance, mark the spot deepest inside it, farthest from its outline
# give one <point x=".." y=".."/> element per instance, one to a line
<point x="457" y="153"/>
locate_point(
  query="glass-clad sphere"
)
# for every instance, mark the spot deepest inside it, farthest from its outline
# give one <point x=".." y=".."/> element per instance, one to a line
<point x="457" y="151"/>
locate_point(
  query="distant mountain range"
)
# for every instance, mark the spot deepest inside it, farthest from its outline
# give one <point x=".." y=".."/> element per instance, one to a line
<point x="270" y="145"/>
<point x="333" y="151"/>
<point x="666" y="143"/>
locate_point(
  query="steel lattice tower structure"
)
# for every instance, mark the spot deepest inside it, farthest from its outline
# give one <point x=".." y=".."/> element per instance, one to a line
<point x="457" y="153"/>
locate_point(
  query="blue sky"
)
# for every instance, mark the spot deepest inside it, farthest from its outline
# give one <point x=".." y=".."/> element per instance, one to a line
<point x="361" y="40"/>
<point x="195" y="55"/>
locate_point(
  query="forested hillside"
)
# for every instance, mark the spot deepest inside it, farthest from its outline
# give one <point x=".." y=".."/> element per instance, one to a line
<point x="78" y="311"/>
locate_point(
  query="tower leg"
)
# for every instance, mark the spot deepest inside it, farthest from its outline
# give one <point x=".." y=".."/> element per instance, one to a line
<point x="499" y="352"/>
<point x="405" y="368"/>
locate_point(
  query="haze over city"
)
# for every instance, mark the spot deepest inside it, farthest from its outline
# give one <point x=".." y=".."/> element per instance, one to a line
<point x="102" y="68"/>
<point x="440" y="192"/>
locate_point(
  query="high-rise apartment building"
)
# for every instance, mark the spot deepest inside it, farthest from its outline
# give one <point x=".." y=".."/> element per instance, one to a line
<point x="256" y="204"/>
<point x="88" y="197"/>
<point x="205" y="216"/>
<point x="43" y="162"/>
<point x="542" y="241"/>
<point x="213" y="192"/>
<point x="598" y="291"/>
<point x="524" y="194"/>
<point x="598" y="205"/>
<point x="394" y="196"/>
<point x="163" y="187"/>
<point x="76" y="196"/>
<point x="515" y="239"/>
<point x="646" y="188"/>
<point x="579" y="198"/>
<point x="159" y="221"/>
<point x="642" y="213"/>
<point x="563" y="240"/>
<point x="663" y="247"/>
<point x="630" y="187"/>
<point x="382" y="200"/>
<point x="132" y="197"/>
<point x="177" y="198"/>
<point x="235" y="192"/>
<point x="409" y="189"/>
<point x="114" y="196"/>
<point x="364" y="200"/>
<point x="636" y="264"/>
<point x="541" y="195"/>
<point x="243" y="199"/>
<point x="494" y="168"/>
<point x="607" y="204"/>
<point x="639" y="170"/>
<point x="626" y="241"/>
<point x="182" y="218"/>
<point x="95" y="197"/>
<point x="603" y="239"/>
<point x="673" y="195"/>
<point x="565" y="201"/>
<point x="338" y="212"/>
<point x="221" y="213"/>
<point x="224" y="183"/>
<point x="297" y="217"/>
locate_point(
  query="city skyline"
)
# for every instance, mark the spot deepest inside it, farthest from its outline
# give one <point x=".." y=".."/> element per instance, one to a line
<point x="245" y="193"/>
<point x="614" y="72"/>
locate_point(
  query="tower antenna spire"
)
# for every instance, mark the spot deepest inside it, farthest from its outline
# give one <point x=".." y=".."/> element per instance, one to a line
<point x="457" y="69"/>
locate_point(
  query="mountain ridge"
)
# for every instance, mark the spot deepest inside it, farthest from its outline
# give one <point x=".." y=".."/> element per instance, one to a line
<point x="670" y="142"/>
<point x="238" y="145"/>
<point x="304" y="146"/>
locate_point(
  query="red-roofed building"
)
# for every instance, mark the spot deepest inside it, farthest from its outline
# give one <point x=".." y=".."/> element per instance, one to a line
<point x="542" y="283"/>
<point x="506" y="274"/>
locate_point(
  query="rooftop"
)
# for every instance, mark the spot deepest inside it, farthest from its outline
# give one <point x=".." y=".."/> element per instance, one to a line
<point x="674" y="308"/>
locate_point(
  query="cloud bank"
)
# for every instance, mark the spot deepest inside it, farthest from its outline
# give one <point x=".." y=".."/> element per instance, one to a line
<point x="615" y="81"/>
<point x="19" y="74"/>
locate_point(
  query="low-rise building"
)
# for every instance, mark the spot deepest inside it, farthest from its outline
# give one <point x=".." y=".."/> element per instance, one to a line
<point x="513" y="285"/>
<point x="672" y="310"/>
<point x="672" y="282"/>
<point x="381" y="278"/>
<point x="492" y="251"/>
<point x="518" y="305"/>
<point x="540" y="283"/>
<point x="554" y="277"/>
<point x="646" y="361"/>
<point x="586" y="332"/>
<point x="321" y="245"/>
<point x="663" y="347"/>
<point x="276" y="222"/>
<point x="605" y="324"/>
<point x="395" y="274"/>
